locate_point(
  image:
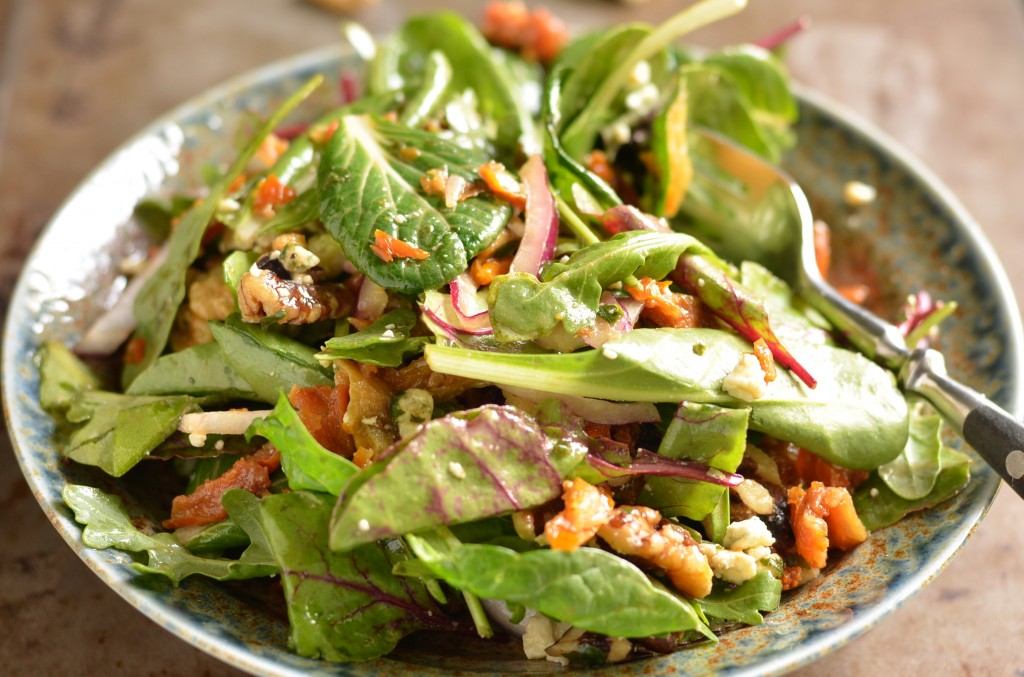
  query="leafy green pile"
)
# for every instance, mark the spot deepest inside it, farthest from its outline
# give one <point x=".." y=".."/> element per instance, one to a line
<point x="421" y="537"/>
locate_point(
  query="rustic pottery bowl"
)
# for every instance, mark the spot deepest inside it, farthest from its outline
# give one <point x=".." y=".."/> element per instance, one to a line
<point x="916" y="236"/>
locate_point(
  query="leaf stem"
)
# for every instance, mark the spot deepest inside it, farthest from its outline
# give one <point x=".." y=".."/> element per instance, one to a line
<point x="476" y="609"/>
<point x="575" y="223"/>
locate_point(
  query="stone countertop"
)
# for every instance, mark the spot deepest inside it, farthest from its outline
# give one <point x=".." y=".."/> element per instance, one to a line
<point x="944" y="77"/>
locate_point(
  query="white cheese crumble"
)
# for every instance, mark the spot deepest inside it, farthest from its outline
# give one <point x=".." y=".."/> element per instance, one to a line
<point x="729" y="565"/>
<point x="197" y="439"/>
<point x="456" y="469"/>
<point x="746" y="380"/>
<point x="363" y="525"/>
<point x="387" y="334"/>
<point x="747" y="534"/>
<point x="609" y="353"/>
<point x="858" y="194"/>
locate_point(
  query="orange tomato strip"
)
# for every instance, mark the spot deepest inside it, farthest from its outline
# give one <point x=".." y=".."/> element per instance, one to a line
<point x="388" y="248"/>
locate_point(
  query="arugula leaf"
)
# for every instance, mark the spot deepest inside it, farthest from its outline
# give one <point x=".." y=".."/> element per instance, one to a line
<point x="591" y="589"/>
<point x="385" y="343"/>
<point x="879" y="506"/>
<point x="743" y="603"/>
<point x="341" y="606"/>
<point x="856" y="417"/>
<point x="523" y="308"/>
<point x="307" y="465"/>
<point x="367" y="184"/>
<point x="705" y="433"/>
<point x="159" y="298"/>
<point x="117" y="431"/>
<point x="270" y="363"/>
<point x="461" y="467"/>
<point x="108" y="525"/>
<point x="62" y="377"/>
<point x="200" y="371"/>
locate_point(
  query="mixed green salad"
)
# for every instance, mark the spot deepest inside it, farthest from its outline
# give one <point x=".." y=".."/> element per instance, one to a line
<point x="455" y="356"/>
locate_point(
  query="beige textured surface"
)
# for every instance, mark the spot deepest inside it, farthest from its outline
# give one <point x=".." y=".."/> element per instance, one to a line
<point x="944" y="77"/>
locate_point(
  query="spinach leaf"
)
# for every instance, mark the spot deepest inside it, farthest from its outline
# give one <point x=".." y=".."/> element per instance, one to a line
<point x="385" y="343"/>
<point x="341" y="606"/>
<point x="792" y="318"/>
<point x="159" y="298"/>
<point x="523" y="308"/>
<point x="591" y="589"/>
<point x="855" y="418"/>
<point x="743" y="603"/>
<point x="879" y="506"/>
<point x="705" y="433"/>
<point x="200" y="371"/>
<point x="461" y="467"/>
<point x="270" y="363"/>
<point x="757" y="80"/>
<point x="307" y="465"/>
<point x="108" y="525"/>
<point x="62" y="377"/>
<point x="115" y="431"/>
<point x="912" y="474"/>
<point x="477" y="69"/>
<point x="367" y="184"/>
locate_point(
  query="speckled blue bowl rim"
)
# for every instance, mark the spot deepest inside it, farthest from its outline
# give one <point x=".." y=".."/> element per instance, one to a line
<point x="20" y="389"/>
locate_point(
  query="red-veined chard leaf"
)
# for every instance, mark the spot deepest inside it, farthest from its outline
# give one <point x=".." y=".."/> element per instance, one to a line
<point x="342" y="606"/>
<point x="464" y="466"/>
<point x="736" y="306"/>
<point x="589" y="588"/>
<point x="367" y="183"/>
<point x="158" y="301"/>
<point x="108" y="525"/>
<point x="856" y="417"/>
<point x="705" y="433"/>
<point x="524" y="308"/>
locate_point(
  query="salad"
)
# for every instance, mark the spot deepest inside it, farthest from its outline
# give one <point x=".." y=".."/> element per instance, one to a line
<point x="461" y="355"/>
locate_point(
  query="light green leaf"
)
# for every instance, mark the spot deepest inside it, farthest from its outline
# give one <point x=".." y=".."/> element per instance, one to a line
<point x="385" y="343"/>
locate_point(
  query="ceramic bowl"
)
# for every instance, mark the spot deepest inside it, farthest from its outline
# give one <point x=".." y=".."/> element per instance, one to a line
<point x="915" y="235"/>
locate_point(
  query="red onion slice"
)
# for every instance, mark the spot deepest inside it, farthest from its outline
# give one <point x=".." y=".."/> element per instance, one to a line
<point x="440" y="309"/>
<point x="468" y="303"/>
<point x="541" y="233"/>
<point x="372" y="301"/>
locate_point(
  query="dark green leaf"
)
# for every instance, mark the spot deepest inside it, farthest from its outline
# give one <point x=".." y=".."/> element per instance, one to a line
<point x="214" y="539"/>
<point x="108" y="525"/>
<point x="341" y="606"/>
<point x="367" y="184"/>
<point x="878" y="506"/>
<point x="912" y="474"/>
<point x="117" y="431"/>
<point x="62" y="377"/>
<point x="307" y="465"/>
<point x="591" y="589"/>
<point x="269" y="362"/>
<point x="458" y="468"/>
<point x="200" y="371"/>
<point x="705" y="433"/>
<point x="385" y="343"/>
<point x="744" y="602"/>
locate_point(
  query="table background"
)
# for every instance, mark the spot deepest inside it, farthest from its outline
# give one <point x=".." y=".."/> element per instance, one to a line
<point x="77" y="77"/>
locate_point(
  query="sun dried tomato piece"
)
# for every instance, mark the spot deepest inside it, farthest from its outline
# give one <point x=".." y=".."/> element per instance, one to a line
<point x="389" y="248"/>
